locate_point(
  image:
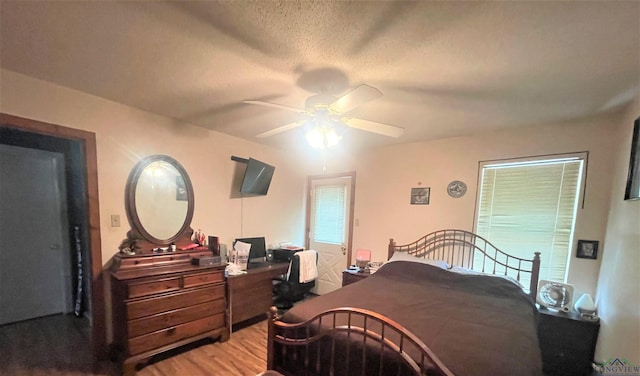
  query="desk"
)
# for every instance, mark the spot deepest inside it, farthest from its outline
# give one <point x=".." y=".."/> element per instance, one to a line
<point x="251" y="294"/>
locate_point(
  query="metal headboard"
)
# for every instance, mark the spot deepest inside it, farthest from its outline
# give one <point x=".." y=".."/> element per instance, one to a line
<point x="469" y="250"/>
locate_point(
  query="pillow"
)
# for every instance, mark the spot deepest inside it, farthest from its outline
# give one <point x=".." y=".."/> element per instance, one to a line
<point x="462" y="270"/>
<point x="403" y="256"/>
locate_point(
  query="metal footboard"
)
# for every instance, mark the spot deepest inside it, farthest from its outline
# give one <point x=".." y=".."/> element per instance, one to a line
<point x="348" y="341"/>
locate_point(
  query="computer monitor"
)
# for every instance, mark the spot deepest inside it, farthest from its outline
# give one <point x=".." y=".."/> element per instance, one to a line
<point x="258" y="251"/>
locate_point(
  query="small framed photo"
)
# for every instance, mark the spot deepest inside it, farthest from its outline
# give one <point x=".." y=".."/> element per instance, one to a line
<point x="587" y="249"/>
<point x="420" y="196"/>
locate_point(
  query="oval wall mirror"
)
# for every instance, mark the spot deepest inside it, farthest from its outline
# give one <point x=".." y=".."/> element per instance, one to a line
<point x="159" y="200"/>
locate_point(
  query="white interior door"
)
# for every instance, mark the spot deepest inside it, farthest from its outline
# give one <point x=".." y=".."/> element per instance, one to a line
<point x="34" y="251"/>
<point x="329" y="230"/>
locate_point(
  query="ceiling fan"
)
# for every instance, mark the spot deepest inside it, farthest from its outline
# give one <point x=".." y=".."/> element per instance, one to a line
<point x="325" y="120"/>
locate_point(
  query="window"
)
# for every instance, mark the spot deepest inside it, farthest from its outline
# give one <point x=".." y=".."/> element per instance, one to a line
<point x="330" y="214"/>
<point x="529" y="206"/>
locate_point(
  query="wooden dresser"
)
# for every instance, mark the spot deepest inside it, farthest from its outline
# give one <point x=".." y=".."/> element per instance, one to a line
<point x="161" y="302"/>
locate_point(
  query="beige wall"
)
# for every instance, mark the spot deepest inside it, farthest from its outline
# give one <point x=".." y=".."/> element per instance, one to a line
<point x="618" y="296"/>
<point x="385" y="177"/>
<point x="125" y="135"/>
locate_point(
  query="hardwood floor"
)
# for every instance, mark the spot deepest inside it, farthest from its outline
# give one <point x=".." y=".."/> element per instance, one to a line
<point x="58" y="345"/>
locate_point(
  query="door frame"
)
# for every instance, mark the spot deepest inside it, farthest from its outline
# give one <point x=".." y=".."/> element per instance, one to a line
<point x="352" y="201"/>
<point x="88" y="140"/>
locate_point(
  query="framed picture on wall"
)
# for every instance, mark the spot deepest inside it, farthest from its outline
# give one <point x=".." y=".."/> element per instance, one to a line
<point x="420" y="196"/>
<point x="587" y="249"/>
<point x="632" y="191"/>
<point x="181" y="189"/>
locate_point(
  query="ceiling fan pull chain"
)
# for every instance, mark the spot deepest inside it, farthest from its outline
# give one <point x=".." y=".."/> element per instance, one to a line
<point x="324" y="161"/>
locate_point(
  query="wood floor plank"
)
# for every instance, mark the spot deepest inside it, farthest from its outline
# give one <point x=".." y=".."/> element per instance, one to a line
<point x="58" y="345"/>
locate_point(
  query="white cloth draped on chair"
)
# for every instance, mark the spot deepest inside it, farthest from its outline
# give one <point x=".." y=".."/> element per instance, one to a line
<point x="308" y="265"/>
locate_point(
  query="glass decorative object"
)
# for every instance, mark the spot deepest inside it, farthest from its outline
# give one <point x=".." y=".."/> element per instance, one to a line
<point x="585" y="305"/>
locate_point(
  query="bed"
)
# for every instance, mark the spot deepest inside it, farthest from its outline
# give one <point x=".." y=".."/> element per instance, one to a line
<point x="449" y="303"/>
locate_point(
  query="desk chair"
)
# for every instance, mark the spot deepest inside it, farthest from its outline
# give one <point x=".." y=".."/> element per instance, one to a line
<point x="286" y="291"/>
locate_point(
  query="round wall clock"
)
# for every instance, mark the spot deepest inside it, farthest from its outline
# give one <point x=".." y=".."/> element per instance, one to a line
<point x="456" y="189"/>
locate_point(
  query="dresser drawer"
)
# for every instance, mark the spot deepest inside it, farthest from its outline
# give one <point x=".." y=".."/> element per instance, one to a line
<point x="170" y="258"/>
<point x="149" y="306"/>
<point x="176" y="333"/>
<point x="134" y="262"/>
<point x="138" y="289"/>
<point x="203" y="279"/>
<point x="175" y="317"/>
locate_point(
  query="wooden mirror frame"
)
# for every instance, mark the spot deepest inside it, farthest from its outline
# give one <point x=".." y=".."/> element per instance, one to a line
<point x="145" y="241"/>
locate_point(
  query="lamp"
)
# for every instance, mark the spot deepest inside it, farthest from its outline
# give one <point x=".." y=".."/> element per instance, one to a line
<point x="363" y="256"/>
<point x="586" y="307"/>
<point x="323" y="131"/>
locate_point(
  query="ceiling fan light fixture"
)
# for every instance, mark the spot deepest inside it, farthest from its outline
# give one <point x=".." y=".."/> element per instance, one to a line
<point x="326" y="123"/>
<point x="323" y="134"/>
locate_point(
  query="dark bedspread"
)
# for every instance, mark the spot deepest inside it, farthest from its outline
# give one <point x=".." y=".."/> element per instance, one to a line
<point x="476" y="325"/>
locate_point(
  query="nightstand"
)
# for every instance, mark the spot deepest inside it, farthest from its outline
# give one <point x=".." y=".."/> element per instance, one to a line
<point x="352" y="276"/>
<point x="567" y="342"/>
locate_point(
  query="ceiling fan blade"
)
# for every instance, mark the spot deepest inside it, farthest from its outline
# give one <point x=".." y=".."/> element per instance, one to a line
<point x="374" y="126"/>
<point x="280" y="129"/>
<point x="356" y="97"/>
<point x="276" y="105"/>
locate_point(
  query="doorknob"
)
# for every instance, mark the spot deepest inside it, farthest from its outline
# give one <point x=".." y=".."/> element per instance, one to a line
<point x="344" y="250"/>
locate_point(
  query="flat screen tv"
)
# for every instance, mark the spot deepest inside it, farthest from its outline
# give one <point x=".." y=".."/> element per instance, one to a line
<point x="632" y="191"/>
<point x="257" y="178"/>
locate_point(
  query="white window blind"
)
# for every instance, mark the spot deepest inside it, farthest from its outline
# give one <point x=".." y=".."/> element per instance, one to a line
<point x="330" y="213"/>
<point x="530" y="206"/>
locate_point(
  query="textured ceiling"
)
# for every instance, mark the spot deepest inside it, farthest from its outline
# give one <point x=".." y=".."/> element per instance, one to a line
<point x="445" y="68"/>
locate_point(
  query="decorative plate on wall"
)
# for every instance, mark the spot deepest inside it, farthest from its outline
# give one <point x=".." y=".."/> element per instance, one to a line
<point x="456" y="189"/>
